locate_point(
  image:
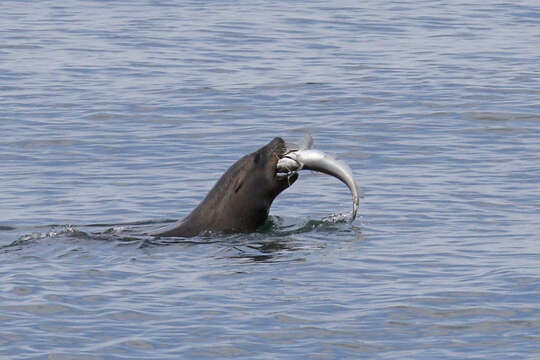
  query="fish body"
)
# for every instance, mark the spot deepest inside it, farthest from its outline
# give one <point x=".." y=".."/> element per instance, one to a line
<point x="315" y="160"/>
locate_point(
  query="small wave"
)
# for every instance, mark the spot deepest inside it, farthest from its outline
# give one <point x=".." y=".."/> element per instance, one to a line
<point x="136" y="233"/>
<point x="280" y="227"/>
<point x="133" y="223"/>
<point x="54" y="231"/>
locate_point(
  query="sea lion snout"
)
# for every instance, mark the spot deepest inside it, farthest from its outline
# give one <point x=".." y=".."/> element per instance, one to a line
<point x="275" y="150"/>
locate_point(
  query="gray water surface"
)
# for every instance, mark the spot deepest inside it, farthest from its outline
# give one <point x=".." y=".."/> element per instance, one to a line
<point x="118" y="117"/>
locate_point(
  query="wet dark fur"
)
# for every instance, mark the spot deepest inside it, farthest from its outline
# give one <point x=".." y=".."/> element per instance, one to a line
<point x="241" y="199"/>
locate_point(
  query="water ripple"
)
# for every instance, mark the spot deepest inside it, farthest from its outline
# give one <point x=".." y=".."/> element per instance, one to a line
<point x="119" y="117"/>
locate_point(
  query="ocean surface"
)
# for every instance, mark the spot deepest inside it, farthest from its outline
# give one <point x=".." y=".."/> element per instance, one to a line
<point x="117" y="117"/>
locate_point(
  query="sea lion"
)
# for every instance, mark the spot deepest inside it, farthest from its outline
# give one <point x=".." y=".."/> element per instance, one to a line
<point x="241" y="199"/>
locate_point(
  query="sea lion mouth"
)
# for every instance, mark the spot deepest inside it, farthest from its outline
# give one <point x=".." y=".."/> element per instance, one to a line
<point x="279" y="151"/>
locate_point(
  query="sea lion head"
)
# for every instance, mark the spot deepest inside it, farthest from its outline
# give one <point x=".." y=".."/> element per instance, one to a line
<point x="243" y="196"/>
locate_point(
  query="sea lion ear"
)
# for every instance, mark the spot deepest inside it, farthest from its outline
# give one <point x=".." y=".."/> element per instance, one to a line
<point x="238" y="184"/>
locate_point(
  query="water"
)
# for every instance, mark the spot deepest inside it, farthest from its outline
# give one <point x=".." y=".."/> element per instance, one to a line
<point x="117" y="117"/>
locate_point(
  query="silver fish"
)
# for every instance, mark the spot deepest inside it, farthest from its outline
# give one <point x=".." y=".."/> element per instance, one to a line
<point x="309" y="159"/>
